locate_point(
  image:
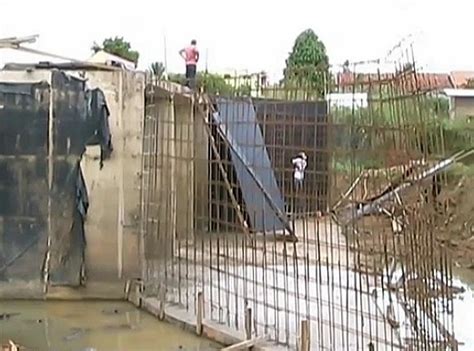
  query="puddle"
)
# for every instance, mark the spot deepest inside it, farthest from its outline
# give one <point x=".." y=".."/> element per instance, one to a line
<point x="464" y="309"/>
<point x="91" y="326"/>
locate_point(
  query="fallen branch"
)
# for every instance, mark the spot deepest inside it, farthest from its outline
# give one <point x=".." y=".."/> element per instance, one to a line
<point x="348" y="191"/>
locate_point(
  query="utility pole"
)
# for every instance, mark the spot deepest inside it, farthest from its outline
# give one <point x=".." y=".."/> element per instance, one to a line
<point x="165" y="59"/>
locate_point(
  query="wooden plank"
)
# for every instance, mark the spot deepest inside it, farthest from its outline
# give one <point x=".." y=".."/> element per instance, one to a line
<point x="248" y="323"/>
<point x="162" y="299"/>
<point x="227" y="184"/>
<point x="305" y="336"/>
<point x="246" y="344"/>
<point x="200" y="313"/>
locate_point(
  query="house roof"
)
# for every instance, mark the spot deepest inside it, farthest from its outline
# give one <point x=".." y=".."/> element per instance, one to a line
<point x="459" y="92"/>
<point x="460" y="78"/>
<point x="421" y="81"/>
<point x="109" y="59"/>
<point x="347" y="99"/>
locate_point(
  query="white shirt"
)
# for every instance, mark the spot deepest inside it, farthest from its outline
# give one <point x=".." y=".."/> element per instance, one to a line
<point x="299" y="165"/>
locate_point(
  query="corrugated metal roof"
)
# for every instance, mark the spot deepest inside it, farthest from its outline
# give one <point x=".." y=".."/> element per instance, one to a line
<point x="418" y="81"/>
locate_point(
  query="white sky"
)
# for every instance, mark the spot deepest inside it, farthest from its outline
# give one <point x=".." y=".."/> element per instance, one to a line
<point x="246" y="34"/>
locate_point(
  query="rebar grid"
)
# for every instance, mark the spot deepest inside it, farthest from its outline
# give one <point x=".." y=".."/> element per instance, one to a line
<point x="221" y="216"/>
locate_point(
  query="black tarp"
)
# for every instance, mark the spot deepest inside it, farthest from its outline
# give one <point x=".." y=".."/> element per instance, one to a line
<point x="97" y="106"/>
<point x="24" y="111"/>
<point x="30" y="210"/>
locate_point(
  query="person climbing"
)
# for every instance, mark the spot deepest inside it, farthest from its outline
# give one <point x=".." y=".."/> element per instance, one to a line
<point x="190" y="55"/>
<point x="299" y="166"/>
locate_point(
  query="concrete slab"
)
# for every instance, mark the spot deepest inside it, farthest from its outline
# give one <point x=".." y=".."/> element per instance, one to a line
<point x="283" y="283"/>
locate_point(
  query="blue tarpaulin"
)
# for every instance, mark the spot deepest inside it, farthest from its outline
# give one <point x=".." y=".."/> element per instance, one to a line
<point x="264" y="203"/>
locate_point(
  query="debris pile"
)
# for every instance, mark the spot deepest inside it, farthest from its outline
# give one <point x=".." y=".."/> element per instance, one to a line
<point x="404" y="196"/>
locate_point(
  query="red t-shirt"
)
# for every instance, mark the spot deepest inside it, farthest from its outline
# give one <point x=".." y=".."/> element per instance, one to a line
<point x="191" y="55"/>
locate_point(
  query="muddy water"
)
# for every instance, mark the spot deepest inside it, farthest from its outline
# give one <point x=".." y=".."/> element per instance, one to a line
<point x="81" y="326"/>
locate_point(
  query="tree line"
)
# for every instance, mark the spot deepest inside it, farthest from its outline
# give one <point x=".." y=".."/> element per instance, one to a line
<point x="307" y="65"/>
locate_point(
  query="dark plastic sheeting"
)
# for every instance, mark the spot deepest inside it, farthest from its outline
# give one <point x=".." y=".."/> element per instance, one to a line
<point x="24" y="189"/>
<point x="23" y="180"/>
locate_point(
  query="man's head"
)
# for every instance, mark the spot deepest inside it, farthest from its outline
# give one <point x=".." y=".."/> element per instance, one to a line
<point x="193" y="42"/>
<point x="302" y="155"/>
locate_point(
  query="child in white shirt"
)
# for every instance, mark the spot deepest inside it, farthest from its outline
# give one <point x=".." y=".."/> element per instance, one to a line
<point x="299" y="167"/>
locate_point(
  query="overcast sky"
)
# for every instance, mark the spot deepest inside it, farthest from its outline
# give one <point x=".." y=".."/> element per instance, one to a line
<point x="246" y="34"/>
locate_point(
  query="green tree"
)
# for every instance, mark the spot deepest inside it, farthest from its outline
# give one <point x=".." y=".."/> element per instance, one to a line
<point x="118" y="46"/>
<point x="157" y="69"/>
<point x="244" y="90"/>
<point x="213" y="83"/>
<point x="307" y="65"/>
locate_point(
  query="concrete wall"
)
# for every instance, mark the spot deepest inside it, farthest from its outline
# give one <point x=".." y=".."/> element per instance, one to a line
<point x="112" y="230"/>
<point x="462" y="107"/>
<point x="184" y="144"/>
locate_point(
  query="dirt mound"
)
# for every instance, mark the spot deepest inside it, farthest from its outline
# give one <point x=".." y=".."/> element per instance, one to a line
<point x="457" y="233"/>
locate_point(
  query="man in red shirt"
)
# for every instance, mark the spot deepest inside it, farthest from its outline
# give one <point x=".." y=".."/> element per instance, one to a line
<point x="190" y="55"/>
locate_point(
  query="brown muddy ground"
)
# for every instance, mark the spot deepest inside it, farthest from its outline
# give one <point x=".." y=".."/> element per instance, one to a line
<point x="458" y="230"/>
<point x="451" y="222"/>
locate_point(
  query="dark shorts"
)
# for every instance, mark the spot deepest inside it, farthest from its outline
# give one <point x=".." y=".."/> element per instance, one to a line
<point x="190" y="71"/>
<point x="190" y="76"/>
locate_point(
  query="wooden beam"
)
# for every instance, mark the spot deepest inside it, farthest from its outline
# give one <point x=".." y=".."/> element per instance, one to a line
<point x="200" y="313"/>
<point x="162" y="299"/>
<point x="223" y="172"/>
<point x="305" y="339"/>
<point x="246" y="344"/>
<point x="248" y="323"/>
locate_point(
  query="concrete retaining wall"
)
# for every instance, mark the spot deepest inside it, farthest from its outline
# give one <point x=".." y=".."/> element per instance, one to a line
<point x="112" y="229"/>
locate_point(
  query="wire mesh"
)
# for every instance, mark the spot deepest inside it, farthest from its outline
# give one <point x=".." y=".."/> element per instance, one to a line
<point x="351" y="248"/>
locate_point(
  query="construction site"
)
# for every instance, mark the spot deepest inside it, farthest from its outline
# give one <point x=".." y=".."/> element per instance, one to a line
<point x="184" y="203"/>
